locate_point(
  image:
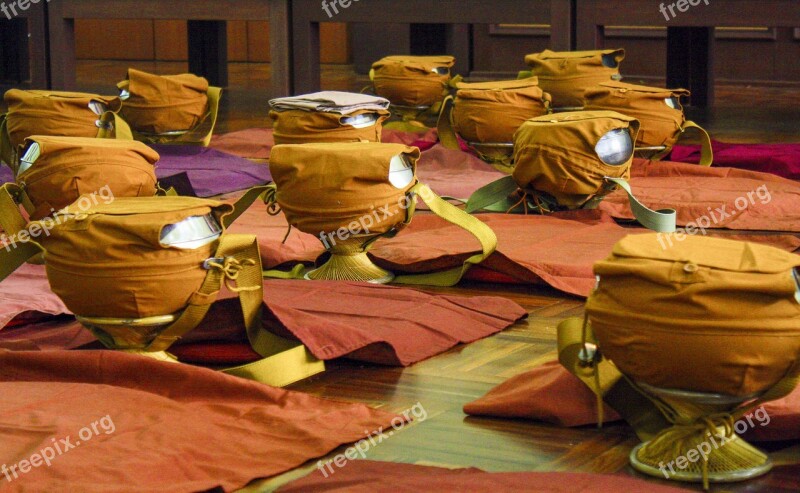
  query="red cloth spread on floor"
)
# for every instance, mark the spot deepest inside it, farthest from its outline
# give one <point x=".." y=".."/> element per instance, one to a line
<point x="454" y="173"/>
<point x="558" y="250"/>
<point x="778" y="159"/>
<point x="138" y="425"/>
<point x="251" y="143"/>
<point x="424" y="140"/>
<point x="716" y="197"/>
<point x="389" y="477"/>
<point x="547" y="393"/>
<point x="51" y="333"/>
<point x="256" y="143"/>
<point x="724" y="197"/>
<point x="551" y="394"/>
<point x="380" y="324"/>
<point x="23" y="291"/>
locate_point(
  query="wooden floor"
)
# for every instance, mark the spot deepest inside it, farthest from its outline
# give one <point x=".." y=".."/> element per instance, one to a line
<point x="442" y="385"/>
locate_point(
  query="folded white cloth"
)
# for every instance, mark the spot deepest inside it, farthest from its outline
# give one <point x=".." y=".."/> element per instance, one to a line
<point x="331" y="102"/>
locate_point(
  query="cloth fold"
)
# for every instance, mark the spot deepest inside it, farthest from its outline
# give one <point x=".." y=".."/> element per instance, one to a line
<point x="778" y="159"/>
<point x="139" y="425"/>
<point x="558" y="250"/>
<point x="211" y="172"/>
<point x="722" y="198"/>
<point x="712" y="197"/>
<point x="379" y="324"/>
<point x="552" y="394"/>
<point x="343" y="103"/>
<point x="6" y="175"/>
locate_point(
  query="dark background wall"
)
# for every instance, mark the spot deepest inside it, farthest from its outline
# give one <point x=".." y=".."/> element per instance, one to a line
<point x="759" y="55"/>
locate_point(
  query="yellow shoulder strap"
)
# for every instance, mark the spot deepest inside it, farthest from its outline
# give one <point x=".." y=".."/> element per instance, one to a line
<point x="238" y="260"/>
<point x="18" y="249"/>
<point x="577" y="353"/>
<point x="706" y="152"/>
<point x="214" y="96"/>
<point x="200" y="135"/>
<point x="114" y="127"/>
<point x="265" y="192"/>
<point x="444" y="126"/>
<point x="11" y="219"/>
<point x="15" y="253"/>
<point x="451" y="214"/>
<point x="454" y="215"/>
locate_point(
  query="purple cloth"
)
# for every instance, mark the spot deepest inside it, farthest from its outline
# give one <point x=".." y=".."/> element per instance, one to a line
<point x="211" y="172"/>
<point x="6" y="175"/>
<point x="778" y="159"/>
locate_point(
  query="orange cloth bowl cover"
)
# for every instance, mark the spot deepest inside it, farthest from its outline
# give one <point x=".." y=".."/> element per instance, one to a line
<point x="704" y="314"/>
<point x="412" y="80"/>
<point x="324" y="188"/>
<point x="557" y="154"/>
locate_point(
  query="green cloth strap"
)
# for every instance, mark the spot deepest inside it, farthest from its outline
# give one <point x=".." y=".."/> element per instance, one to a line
<point x="297" y="272"/>
<point x="525" y="74"/>
<point x="493" y="197"/>
<point x="706" y="151"/>
<point x="662" y="220"/>
<point x="245" y="201"/>
<point x="454" y="215"/>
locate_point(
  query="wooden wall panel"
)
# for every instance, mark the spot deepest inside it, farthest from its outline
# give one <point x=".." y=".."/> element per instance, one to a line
<point x="248" y="41"/>
<point x="645" y="57"/>
<point x="258" y="41"/>
<point x="114" y="39"/>
<point x="504" y="52"/>
<point x="370" y="45"/>
<point x="791" y="69"/>
<point x="170" y="40"/>
<point x="334" y="43"/>
<point x="748" y="60"/>
<point x="237" y="41"/>
<point x="746" y="55"/>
